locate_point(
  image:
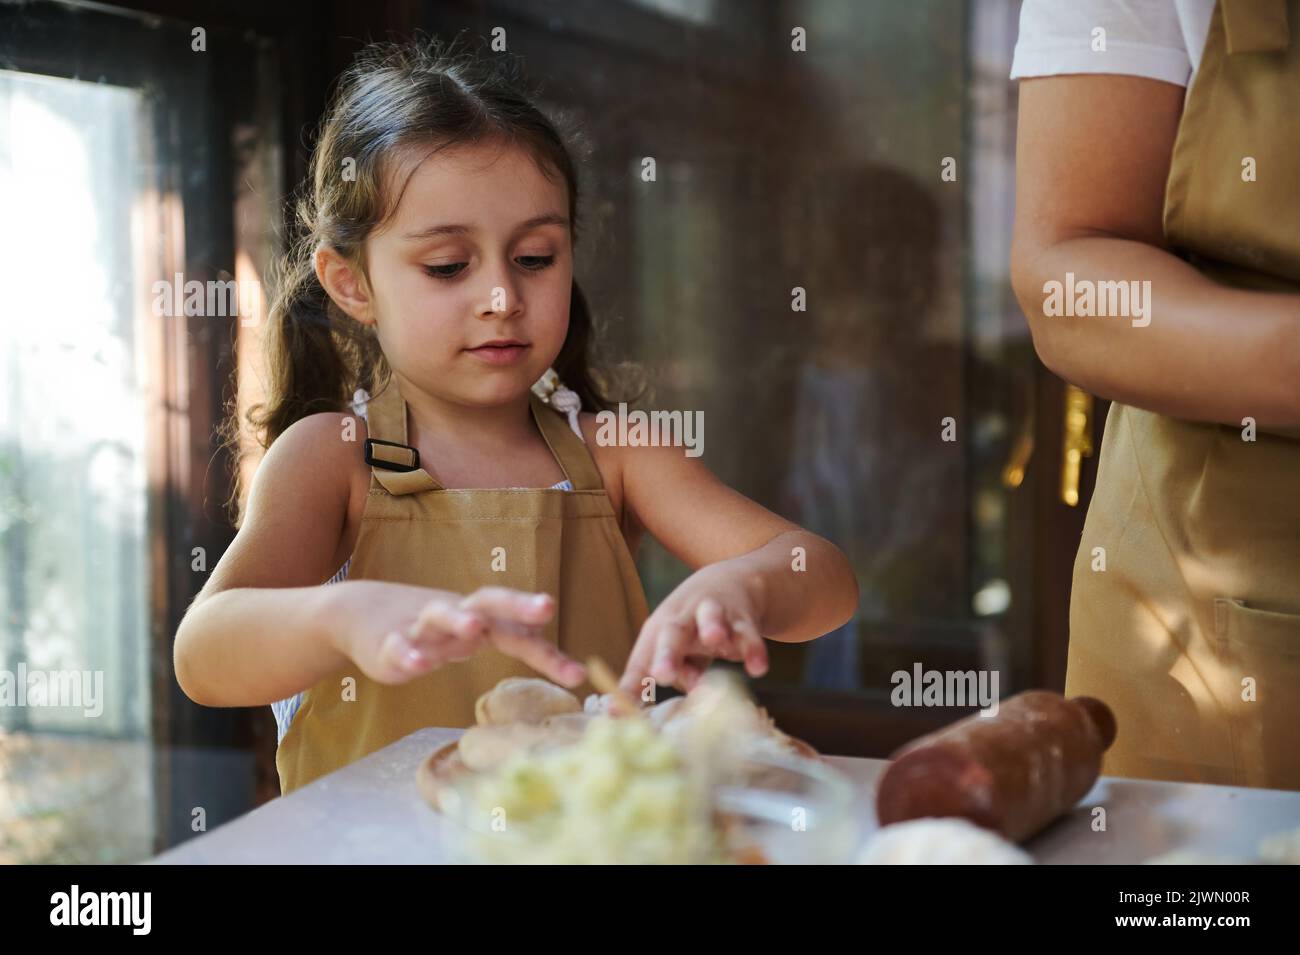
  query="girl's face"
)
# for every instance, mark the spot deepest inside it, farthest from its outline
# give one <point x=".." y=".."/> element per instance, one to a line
<point x="478" y="251"/>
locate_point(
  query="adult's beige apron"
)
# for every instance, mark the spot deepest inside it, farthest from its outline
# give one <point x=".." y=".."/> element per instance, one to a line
<point x="413" y="531"/>
<point x="1192" y="631"/>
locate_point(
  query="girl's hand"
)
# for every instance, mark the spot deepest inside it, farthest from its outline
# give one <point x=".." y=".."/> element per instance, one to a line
<point x="401" y="632"/>
<point x="715" y="613"/>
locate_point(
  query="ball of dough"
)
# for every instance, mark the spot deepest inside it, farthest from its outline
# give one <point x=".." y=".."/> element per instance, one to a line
<point x="568" y="726"/>
<point x="523" y="700"/>
<point x="484" y="748"/>
<point x="940" y="842"/>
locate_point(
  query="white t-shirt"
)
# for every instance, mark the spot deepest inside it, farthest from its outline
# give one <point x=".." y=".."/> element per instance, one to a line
<point x="1157" y="39"/>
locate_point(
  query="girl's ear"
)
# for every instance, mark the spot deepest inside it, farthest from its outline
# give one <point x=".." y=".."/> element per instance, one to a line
<point x="344" y="284"/>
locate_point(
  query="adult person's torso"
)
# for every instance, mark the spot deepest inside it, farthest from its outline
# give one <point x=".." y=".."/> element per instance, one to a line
<point x="1185" y="612"/>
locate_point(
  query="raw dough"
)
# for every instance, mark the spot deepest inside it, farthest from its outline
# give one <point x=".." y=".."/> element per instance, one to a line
<point x="940" y="842"/>
<point x="523" y="700"/>
<point x="568" y="724"/>
<point x="484" y="748"/>
<point x="718" y="721"/>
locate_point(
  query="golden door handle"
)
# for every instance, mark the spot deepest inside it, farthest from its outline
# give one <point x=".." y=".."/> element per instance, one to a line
<point x="1013" y="472"/>
<point x="1077" y="442"/>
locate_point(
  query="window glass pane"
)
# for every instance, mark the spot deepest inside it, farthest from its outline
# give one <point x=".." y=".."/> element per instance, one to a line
<point x="73" y="583"/>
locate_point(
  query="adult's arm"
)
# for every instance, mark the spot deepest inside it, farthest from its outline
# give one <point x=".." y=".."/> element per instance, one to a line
<point x="1092" y="157"/>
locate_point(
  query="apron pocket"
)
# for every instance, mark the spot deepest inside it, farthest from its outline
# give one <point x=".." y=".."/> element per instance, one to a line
<point x="1260" y="651"/>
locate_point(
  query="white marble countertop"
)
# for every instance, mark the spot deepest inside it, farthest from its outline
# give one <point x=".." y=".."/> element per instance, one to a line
<point x="371" y="812"/>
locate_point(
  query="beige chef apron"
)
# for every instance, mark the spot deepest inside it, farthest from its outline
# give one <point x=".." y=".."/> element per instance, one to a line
<point x="413" y="531"/>
<point x="1191" y="632"/>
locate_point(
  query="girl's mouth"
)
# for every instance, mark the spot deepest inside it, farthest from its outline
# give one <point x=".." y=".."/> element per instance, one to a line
<point x="502" y="352"/>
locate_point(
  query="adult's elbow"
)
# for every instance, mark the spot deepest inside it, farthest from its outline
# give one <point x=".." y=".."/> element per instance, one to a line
<point x="1027" y="284"/>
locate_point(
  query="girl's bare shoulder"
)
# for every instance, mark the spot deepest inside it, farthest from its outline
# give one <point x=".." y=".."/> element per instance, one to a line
<point x="299" y="510"/>
<point x="325" y="453"/>
<point x="319" y="439"/>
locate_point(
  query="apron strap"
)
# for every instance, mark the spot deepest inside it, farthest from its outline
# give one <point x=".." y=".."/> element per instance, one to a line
<point x="1255" y="26"/>
<point x="570" y="450"/>
<point x="393" y="462"/>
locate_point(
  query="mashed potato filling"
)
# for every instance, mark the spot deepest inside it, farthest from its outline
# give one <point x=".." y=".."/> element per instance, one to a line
<point x="619" y="795"/>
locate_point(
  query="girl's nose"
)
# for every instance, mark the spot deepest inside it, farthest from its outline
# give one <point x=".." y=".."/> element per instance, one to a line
<point x="500" y="298"/>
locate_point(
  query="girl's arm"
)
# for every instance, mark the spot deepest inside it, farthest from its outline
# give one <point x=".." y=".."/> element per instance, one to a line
<point x="1092" y="157"/>
<point x="757" y="574"/>
<point x="262" y="628"/>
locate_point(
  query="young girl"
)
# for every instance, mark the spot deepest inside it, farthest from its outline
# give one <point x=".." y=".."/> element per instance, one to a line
<point x="469" y="527"/>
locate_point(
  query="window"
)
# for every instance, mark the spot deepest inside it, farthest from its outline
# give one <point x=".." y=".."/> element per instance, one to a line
<point x="127" y="157"/>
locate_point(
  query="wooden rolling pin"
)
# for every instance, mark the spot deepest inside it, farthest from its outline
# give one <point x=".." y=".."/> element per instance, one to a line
<point x="1013" y="773"/>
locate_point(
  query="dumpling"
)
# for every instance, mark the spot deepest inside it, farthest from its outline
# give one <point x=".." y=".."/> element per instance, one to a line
<point x="523" y="700"/>
<point x="940" y="842"/>
<point x="484" y="748"/>
<point x="568" y="726"/>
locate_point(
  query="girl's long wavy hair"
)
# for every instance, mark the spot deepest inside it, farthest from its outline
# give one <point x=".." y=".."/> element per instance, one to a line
<point x="393" y="97"/>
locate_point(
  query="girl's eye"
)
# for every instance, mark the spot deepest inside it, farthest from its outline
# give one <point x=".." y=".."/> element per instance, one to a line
<point x="533" y="263"/>
<point x="444" y="271"/>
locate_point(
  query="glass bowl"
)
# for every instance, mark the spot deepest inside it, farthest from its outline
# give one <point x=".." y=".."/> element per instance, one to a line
<point x="776" y="809"/>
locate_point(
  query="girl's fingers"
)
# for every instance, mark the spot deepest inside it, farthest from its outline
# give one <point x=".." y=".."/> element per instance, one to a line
<point x="716" y="636"/>
<point x="693" y="671"/>
<point x="711" y="624"/>
<point x="441" y="633"/>
<point x="497" y="626"/>
<point x="730" y="650"/>
<point x="456" y="651"/>
<point x="674" y="637"/>
<point x="441" y="618"/>
<point x="399" y="658"/>
<point x="638" y="661"/>
<point x="753" y="649"/>
<point x="527" y="644"/>
<point x="507" y="604"/>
